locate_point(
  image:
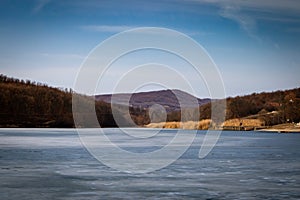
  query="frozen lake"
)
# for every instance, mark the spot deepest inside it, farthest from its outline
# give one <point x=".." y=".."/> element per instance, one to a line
<point x="53" y="164"/>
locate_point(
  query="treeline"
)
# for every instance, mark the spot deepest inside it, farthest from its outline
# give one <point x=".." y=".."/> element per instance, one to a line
<point x="31" y="104"/>
<point x="271" y="107"/>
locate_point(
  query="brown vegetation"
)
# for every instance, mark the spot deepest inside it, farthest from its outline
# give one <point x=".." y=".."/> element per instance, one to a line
<point x="255" y="110"/>
<point x="243" y="122"/>
<point x="201" y="125"/>
<point x="31" y="104"/>
<point x="272" y="107"/>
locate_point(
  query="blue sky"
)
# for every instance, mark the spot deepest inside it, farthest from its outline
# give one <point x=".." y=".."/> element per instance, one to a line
<point x="255" y="44"/>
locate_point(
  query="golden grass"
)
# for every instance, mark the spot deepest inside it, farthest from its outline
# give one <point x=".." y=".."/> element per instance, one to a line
<point x="191" y="125"/>
<point x="206" y="124"/>
<point x="243" y="122"/>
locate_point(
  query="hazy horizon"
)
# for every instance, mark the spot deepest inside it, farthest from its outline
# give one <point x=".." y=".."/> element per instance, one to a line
<point x="158" y="89"/>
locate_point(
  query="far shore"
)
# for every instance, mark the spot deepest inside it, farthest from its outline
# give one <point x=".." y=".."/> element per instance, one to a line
<point x="207" y="124"/>
<point x="280" y="130"/>
<point x="229" y="125"/>
<point x="283" y="128"/>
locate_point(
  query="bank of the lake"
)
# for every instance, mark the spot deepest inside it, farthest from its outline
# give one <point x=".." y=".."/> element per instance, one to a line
<point x="229" y="125"/>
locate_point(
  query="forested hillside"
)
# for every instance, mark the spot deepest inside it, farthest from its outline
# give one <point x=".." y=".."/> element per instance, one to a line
<point x="31" y="104"/>
<point x="271" y="107"/>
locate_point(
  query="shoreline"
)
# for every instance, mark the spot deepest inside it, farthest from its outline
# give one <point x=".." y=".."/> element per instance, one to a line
<point x="205" y="125"/>
<point x="273" y="130"/>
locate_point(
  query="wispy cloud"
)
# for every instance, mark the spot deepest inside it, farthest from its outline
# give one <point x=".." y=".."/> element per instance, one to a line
<point x="40" y="4"/>
<point x="107" y="28"/>
<point x="279" y="6"/>
<point x="246" y="22"/>
<point x="197" y="33"/>
<point x="65" y="56"/>
<point x="117" y="29"/>
<point x="247" y="12"/>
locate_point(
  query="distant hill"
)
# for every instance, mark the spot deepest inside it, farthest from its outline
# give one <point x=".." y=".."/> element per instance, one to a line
<point x="144" y="100"/>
